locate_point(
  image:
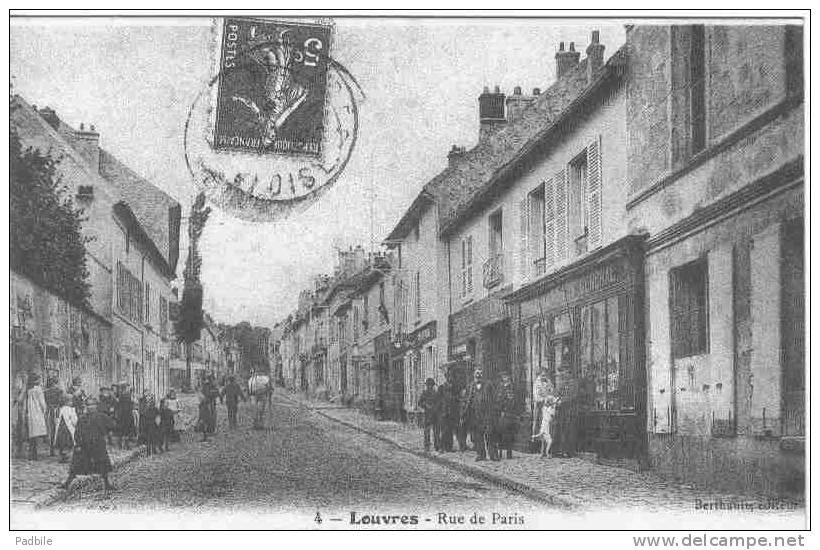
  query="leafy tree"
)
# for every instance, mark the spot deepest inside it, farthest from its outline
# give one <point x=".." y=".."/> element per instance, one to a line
<point x="190" y="322"/>
<point x="46" y="241"/>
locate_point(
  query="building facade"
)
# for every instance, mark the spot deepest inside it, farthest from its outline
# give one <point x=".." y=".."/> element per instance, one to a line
<point x="715" y="177"/>
<point x="131" y="255"/>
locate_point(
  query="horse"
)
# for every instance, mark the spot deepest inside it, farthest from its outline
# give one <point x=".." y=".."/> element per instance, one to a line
<point x="260" y="387"/>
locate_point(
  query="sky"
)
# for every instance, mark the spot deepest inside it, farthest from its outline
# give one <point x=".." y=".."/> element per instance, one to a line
<point x="135" y="79"/>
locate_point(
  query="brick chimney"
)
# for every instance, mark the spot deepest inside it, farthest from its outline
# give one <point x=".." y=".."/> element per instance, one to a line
<point x="490" y="112"/>
<point x="517" y="102"/>
<point x="566" y="61"/>
<point x="595" y="55"/>
<point x="87" y="143"/>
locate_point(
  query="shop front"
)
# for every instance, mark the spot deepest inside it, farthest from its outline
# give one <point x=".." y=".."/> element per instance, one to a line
<point x="414" y="360"/>
<point x="583" y="327"/>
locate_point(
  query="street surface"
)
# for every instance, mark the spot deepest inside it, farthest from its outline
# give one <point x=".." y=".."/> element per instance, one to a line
<point x="301" y="462"/>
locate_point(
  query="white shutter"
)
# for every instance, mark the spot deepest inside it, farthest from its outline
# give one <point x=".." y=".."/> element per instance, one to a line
<point x="594" y="194"/>
<point x="561" y="216"/>
<point x="523" y="242"/>
<point x="549" y="222"/>
<point x="470" y="264"/>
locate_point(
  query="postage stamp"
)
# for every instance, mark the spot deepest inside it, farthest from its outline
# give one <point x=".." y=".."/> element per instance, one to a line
<point x="272" y="90"/>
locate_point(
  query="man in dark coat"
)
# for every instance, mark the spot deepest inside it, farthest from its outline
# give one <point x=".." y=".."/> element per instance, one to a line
<point x="232" y="393"/>
<point x="484" y="416"/>
<point x="124" y="417"/>
<point x="507" y="418"/>
<point x="448" y="414"/>
<point x="565" y="440"/>
<point x="428" y="402"/>
<point x="90" y="453"/>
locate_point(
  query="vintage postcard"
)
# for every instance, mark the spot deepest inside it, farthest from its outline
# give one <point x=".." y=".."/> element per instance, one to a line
<point x="404" y="271"/>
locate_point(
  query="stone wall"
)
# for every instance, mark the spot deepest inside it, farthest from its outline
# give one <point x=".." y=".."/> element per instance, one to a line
<point x="51" y="337"/>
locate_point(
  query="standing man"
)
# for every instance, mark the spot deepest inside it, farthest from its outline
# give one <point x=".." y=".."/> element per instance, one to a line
<point x="482" y="406"/>
<point x="448" y="413"/>
<point x="232" y="393"/>
<point x="428" y="402"/>
<point x="54" y="401"/>
<point x="34" y="410"/>
<point x="507" y="418"/>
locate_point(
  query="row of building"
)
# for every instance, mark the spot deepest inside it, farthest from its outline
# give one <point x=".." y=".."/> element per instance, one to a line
<point x="126" y="331"/>
<point x="635" y="230"/>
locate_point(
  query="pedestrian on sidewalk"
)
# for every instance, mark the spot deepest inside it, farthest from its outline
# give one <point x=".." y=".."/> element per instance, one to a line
<point x="211" y="391"/>
<point x="448" y="413"/>
<point x="232" y="393"/>
<point x="428" y="402"/>
<point x="484" y="415"/>
<point x="565" y="440"/>
<point x="90" y="455"/>
<point x="66" y="427"/>
<point x="124" y="417"/>
<point x="54" y="400"/>
<point x="465" y="422"/>
<point x="166" y="426"/>
<point x="32" y="411"/>
<point x="507" y="424"/>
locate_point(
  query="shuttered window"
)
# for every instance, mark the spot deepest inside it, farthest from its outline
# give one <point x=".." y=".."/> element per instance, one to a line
<point x="524" y="242"/>
<point x="466" y="266"/>
<point x="549" y="222"/>
<point x="593" y="195"/>
<point x="689" y="313"/>
<point x="561" y="217"/>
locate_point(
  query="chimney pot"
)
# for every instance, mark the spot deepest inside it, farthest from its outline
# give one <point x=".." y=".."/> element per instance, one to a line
<point x="93" y="129"/>
<point x="572" y="46"/>
<point x="497" y="89"/>
<point x="596" y="37"/>
<point x="536" y="91"/>
<point x="560" y="46"/>
<point x="486" y="90"/>
<point x="595" y="55"/>
<point x="566" y="61"/>
<point x="517" y="90"/>
<point x="82" y="126"/>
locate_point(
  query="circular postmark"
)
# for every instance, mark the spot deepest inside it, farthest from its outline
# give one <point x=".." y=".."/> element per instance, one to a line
<point x="276" y="126"/>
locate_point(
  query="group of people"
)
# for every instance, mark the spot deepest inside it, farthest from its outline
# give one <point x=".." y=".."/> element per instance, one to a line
<point x="230" y="392"/>
<point x="484" y="411"/>
<point x="71" y="421"/>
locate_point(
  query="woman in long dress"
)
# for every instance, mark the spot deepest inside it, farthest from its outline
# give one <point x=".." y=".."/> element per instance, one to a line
<point x="90" y="453"/>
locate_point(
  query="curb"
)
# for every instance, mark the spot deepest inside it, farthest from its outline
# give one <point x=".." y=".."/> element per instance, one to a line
<point x="472" y="471"/>
<point x="53" y="495"/>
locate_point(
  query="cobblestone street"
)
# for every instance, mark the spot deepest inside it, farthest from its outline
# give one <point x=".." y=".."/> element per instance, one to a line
<point x="304" y="462"/>
<point x="320" y="458"/>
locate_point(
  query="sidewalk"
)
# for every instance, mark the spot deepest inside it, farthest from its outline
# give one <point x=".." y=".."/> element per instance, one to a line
<point x="574" y="483"/>
<point x="36" y="483"/>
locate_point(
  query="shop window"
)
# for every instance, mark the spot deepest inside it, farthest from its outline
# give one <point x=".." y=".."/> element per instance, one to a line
<point x="600" y="356"/>
<point x="689" y="313"/>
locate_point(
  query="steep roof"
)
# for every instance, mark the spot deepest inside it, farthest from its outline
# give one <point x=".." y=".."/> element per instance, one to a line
<point x="467" y="180"/>
<point x="156" y="212"/>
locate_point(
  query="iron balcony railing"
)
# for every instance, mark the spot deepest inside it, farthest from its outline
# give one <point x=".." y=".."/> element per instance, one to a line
<point x="494" y="271"/>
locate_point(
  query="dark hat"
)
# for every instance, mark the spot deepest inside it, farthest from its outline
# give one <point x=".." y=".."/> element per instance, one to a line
<point x="430" y="382"/>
